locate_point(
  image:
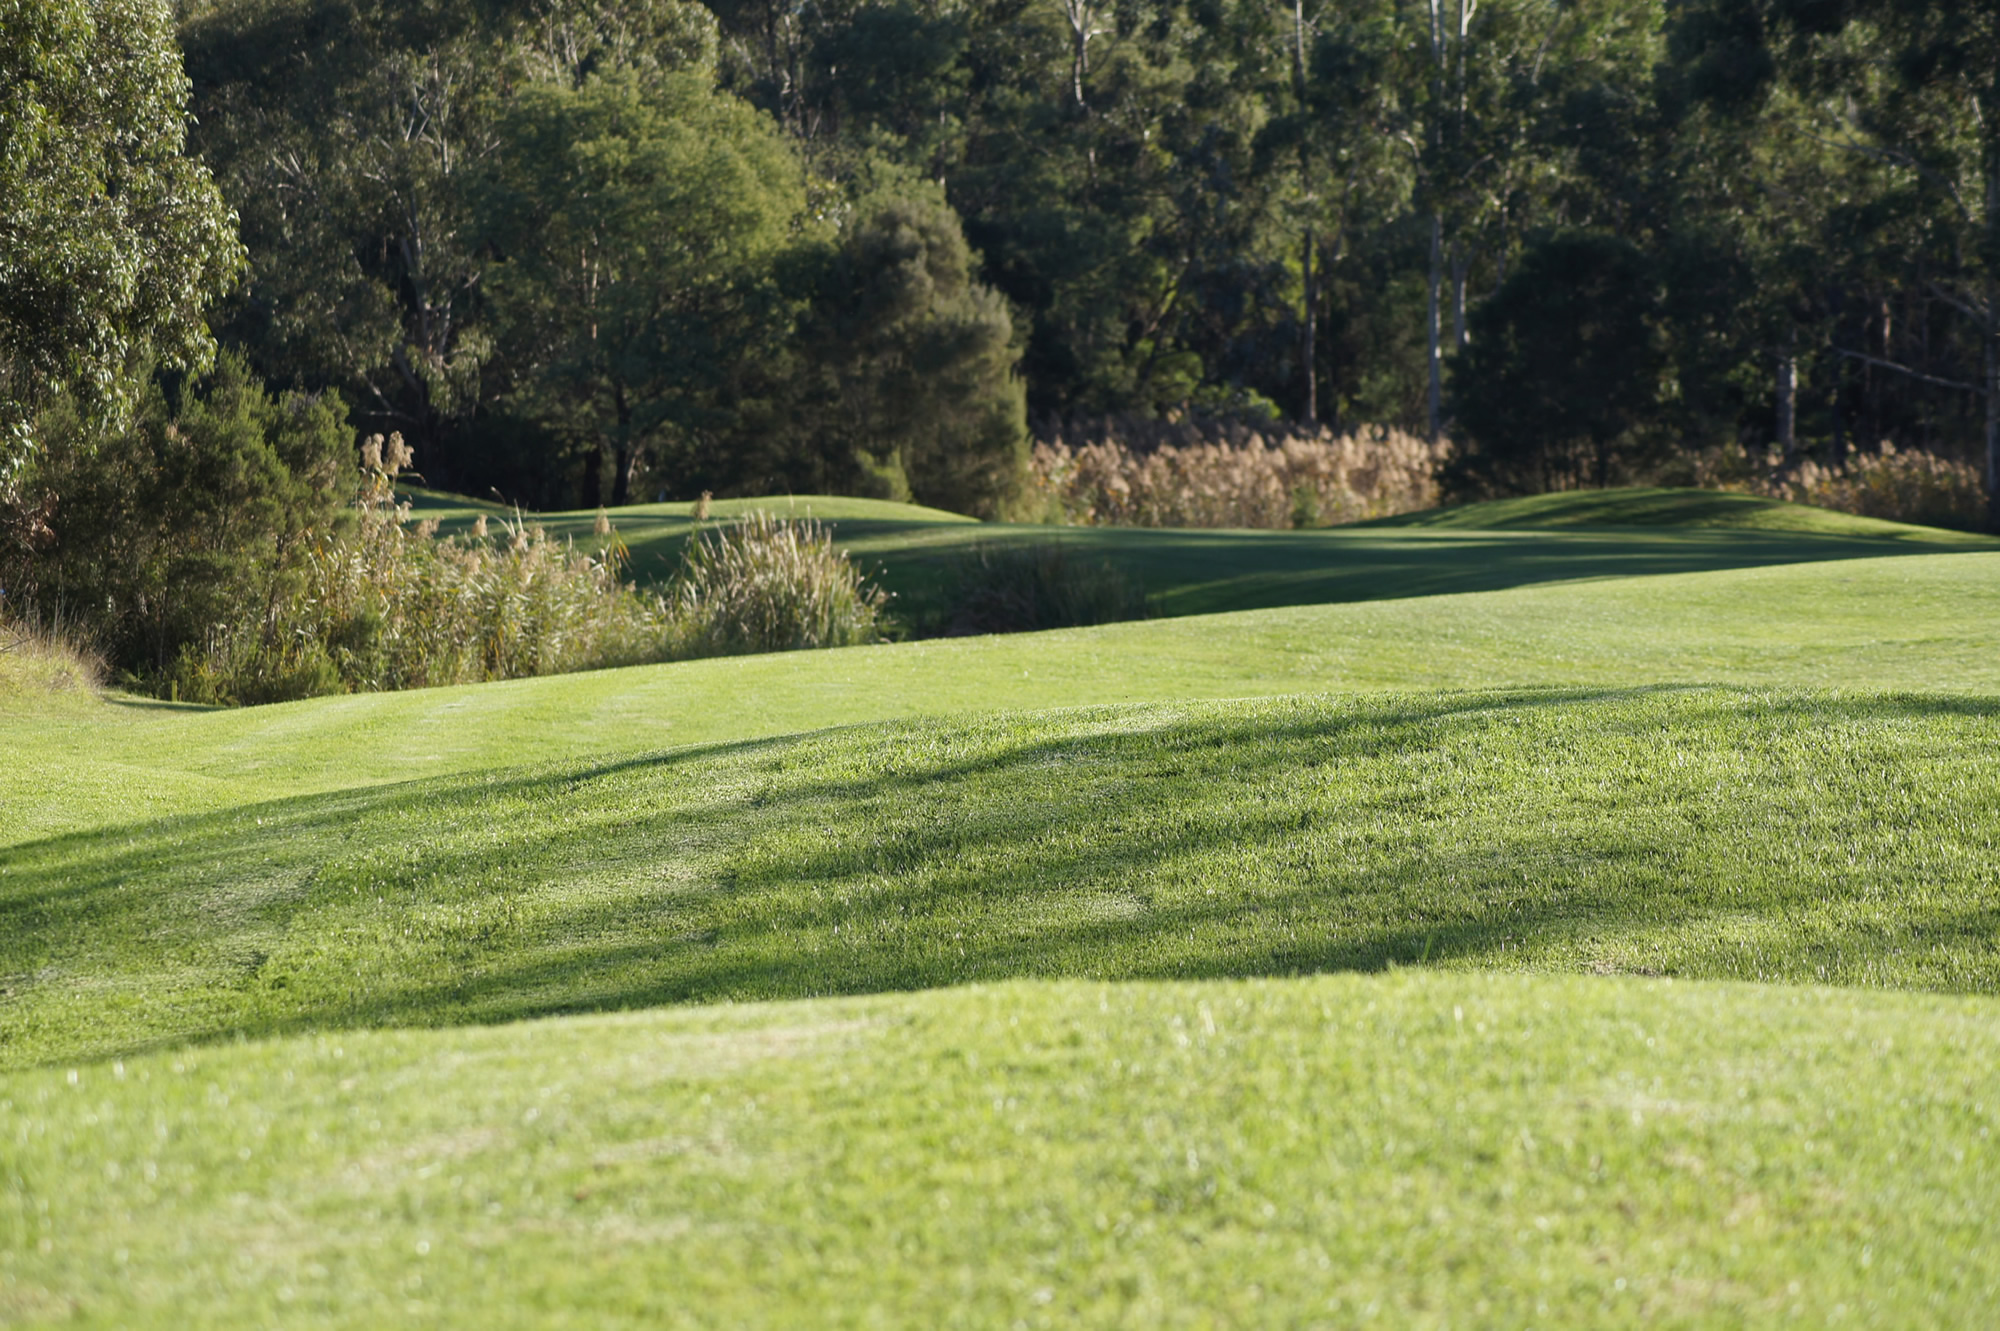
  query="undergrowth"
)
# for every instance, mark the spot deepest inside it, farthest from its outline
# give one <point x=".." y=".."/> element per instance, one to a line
<point x="391" y="605"/>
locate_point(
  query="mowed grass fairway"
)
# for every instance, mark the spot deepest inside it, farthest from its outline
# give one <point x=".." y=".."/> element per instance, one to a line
<point x="1614" y="945"/>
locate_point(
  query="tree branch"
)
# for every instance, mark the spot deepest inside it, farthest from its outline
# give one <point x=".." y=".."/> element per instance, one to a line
<point x="1961" y="303"/>
<point x="1914" y="374"/>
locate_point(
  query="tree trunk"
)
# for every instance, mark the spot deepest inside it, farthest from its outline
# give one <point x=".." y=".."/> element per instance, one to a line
<point x="1993" y="416"/>
<point x="1436" y="401"/>
<point x="1839" y="456"/>
<point x="1461" y="263"/>
<point x="593" y="476"/>
<point x="621" y="478"/>
<point x="1788" y="399"/>
<point x="1308" y="334"/>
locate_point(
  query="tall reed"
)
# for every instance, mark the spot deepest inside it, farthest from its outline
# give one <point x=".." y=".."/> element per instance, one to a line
<point x="1165" y="474"/>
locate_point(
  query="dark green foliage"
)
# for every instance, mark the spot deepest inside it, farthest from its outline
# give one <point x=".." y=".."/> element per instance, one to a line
<point x="637" y="230"/>
<point x="1209" y="209"/>
<point x="913" y="393"/>
<point x="192" y="522"/>
<point x="1562" y="383"/>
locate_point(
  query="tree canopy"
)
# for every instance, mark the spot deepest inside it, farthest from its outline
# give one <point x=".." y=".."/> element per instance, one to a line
<point x="113" y="241"/>
<point x="575" y="250"/>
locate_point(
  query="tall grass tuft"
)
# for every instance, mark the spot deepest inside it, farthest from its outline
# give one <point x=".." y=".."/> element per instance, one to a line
<point x="38" y="662"/>
<point x="764" y="584"/>
<point x="1166" y="474"/>
<point x="1901" y="485"/>
<point x="388" y="605"/>
<point x="1904" y="486"/>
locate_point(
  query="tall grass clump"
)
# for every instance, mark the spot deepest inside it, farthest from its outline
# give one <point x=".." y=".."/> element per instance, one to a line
<point x="1900" y="485"/>
<point x="765" y="584"/>
<point x="38" y="663"/>
<point x="1186" y="474"/>
<point x="389" y="605"/>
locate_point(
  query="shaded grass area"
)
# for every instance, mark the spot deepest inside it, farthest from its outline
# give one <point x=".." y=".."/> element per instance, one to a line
<point x="1925" y="624"/>
<point x="1702" y="833"/>
<point x="918" y="555"/>
<point x="1421" y="1150"/>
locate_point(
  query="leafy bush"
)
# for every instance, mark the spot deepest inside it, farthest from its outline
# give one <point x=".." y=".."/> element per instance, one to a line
<point x="768" y="585"/>
<point x="1231" y="476"/>
<point x="201" y="513"/>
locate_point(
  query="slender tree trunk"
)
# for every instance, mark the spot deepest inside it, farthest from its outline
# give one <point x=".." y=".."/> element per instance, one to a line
<point x="621" y="478"/>
<point x="1436" y="400"/>
<point x="1788" y="398"/>
<point x="1309" y="333"/>
<point x="1839" y="412"/>
<point x="627" y="456"/>
<point x="1309" y="315"/>
<point x="1461" y="264"/>
<point x="593" y="476"/>
<point x="1993" y="413"/>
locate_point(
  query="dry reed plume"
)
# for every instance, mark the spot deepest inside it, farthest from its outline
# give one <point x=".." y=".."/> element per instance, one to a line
<point x="1168" y="474"/>
<point x="1901" y="485"/>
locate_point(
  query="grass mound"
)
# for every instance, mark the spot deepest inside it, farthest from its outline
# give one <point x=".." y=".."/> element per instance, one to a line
<point x="1929" y="623"/>
<point x="1700" y="833"/>
<point x="1662" y="507"/>
<point x="1423" y="1150"/>
<point x="919" y="555"/>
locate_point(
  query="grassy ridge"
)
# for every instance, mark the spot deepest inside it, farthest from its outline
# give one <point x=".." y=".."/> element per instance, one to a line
<point x="1419" y="1150"/>
<point x="1928" y="623"/>
<point x="1640" y="506"/>
<point x="1485" y="547"/>
<point x="1699" y="833"/>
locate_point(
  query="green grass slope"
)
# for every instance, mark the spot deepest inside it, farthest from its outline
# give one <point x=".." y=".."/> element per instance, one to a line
<point x="1417" y="1151"/>
<point x="1163" y="1011"/>
<point x="1663" y="507"/>
<point x="1696" y="833"/>
<point x="1928" y="623"/>
<point x="914" y="552"/>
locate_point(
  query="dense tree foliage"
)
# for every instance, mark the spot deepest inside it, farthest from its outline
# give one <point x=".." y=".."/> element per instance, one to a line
<point x="580" y="251"/>
<point x="112" y="241"/>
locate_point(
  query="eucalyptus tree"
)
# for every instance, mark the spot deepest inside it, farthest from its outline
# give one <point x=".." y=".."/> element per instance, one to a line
<point x="1491" y="84"/>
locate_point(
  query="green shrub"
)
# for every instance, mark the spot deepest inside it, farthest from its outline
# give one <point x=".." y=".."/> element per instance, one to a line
<point x="195" y="520"/>
<point x="769" y="585"/>
<point x="388" y="605"/>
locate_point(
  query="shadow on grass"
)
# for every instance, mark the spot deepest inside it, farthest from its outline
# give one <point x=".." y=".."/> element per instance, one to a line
<point x="1549" y="829"/>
